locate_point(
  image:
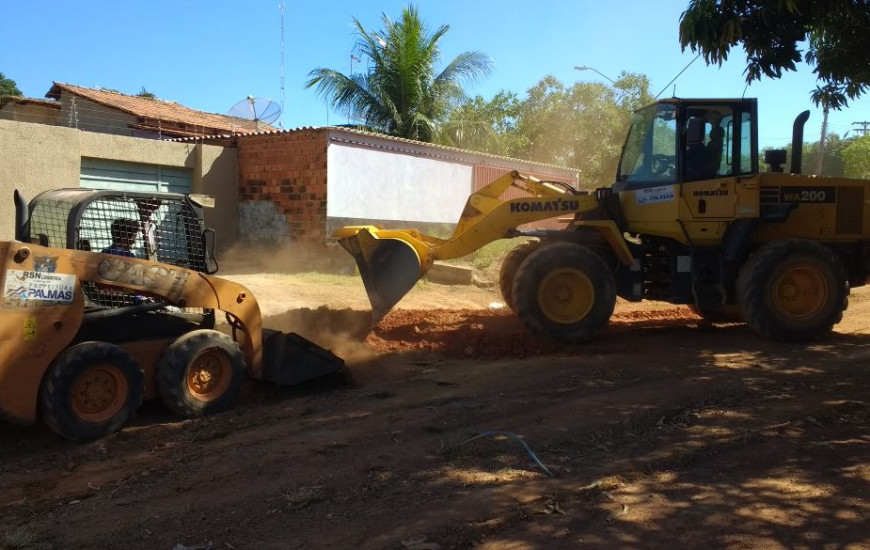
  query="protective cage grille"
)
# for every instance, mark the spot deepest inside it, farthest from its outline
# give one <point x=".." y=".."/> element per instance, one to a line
<point x="164" y="229"/>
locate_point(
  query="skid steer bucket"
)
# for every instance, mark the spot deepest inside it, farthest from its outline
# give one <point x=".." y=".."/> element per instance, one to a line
<point x="290" y="359"/>
<point x="390" y="264"/>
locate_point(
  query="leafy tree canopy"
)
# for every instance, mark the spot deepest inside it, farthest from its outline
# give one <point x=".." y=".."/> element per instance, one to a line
<point x="835" y="33"/>
<point x="833" y="165"/>
<point x="8" y="87"/>
<point x="582" y="125"/>
<point x="856" y="158"/>
<point x="400" y="93"/>
<point x="488" y="126"/>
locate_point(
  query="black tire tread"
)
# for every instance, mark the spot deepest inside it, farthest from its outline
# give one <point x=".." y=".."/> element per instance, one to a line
<point x="172" y="372"/>
<point x="559" y="254"/>
<point x="726" y="313"/>
<point x="57" y="382"/>
<point x="509" y="267"/>
<point x="752" y="287"/>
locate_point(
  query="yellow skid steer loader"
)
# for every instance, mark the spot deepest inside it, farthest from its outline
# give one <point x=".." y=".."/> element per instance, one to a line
<point x="109" y="298"/>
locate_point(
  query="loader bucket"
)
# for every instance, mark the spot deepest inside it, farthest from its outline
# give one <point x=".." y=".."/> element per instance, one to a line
<point x="290" y="359"/>
<point x="389" y="267"/>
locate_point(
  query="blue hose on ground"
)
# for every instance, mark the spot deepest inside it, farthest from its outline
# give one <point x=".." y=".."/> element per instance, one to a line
<point x="518" y="438"/>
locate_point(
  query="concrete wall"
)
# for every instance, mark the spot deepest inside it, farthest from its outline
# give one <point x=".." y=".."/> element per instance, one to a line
<point x="401" y="183"/>
<point x="367" y="183"/>
<point x="36" y="157"/>
<point x="39" y="113"/>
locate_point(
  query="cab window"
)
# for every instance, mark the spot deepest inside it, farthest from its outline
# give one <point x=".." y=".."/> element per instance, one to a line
<point x="746" y="144"/>
<point x="707" y="143"/>
<point x="650" y="149"/>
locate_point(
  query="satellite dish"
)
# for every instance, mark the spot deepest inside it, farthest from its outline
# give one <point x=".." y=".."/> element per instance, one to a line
<point x="257" y="110"/>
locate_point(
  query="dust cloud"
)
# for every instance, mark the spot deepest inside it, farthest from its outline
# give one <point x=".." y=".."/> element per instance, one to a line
<point x="296" y="257"/>
<point x="343" y="331"/>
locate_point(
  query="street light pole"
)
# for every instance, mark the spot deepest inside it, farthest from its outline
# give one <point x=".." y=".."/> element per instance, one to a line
<point x="594" y="70"/>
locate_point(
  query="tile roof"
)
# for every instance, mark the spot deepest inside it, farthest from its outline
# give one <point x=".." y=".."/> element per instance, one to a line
<point x="158" y="110"/>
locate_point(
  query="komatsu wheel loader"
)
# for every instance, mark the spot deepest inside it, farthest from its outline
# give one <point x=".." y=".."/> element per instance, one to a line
<point x="109" y="297"/>
<point x="690" y="220"/>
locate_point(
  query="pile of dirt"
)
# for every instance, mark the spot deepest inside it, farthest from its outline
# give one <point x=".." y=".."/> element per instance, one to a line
<point x="491" y="334"/>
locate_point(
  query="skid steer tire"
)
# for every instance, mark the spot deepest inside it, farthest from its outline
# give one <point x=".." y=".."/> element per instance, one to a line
<point x="793" y="290"/>
<point x="201" y="373"/>
<point x="91" y="390"/>
<point x="565" y="291"/>
<point x="509" y="267"/>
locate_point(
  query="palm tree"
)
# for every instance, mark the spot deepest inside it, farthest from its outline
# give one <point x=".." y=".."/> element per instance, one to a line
<point x="400" y="94"/>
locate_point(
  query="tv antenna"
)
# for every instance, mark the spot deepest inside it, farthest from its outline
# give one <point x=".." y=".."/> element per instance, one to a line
<point x="256" y="109"/>
<point x="281" y="8"/>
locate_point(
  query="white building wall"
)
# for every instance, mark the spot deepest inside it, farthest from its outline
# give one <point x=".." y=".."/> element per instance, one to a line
<point x="382" y="185"/>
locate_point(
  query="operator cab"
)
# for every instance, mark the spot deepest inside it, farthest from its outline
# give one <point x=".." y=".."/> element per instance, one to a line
<point x="167" y="228"/>
<point x="678" y="141"/>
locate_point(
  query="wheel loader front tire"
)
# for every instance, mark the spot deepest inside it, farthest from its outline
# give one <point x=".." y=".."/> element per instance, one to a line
<point x="565" y="291"/>
<point x="509" y="267"/>
<point x="91" y="390"/>
<point x="793" y="290"/>
<point x="201" y="373"/>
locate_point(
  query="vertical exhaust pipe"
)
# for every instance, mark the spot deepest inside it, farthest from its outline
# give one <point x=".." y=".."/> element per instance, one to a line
<point x="797" y="141"/>
<point x="22" y="218"/>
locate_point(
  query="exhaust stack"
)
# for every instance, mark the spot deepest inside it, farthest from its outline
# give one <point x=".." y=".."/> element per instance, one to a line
<point x="797" y="141"/>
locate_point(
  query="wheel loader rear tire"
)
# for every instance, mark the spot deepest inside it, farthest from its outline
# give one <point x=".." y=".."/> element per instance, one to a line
<point x="201" y="373"/>
<point x="793" y="290"/>
<point x="91" y="390"/>
<point x="565" y="291"/>
<point x="509" y="267"/>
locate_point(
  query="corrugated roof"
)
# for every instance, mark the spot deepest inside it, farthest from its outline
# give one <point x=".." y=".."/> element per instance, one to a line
<point x="397" y="140"/>
<point x="157" y="109"/>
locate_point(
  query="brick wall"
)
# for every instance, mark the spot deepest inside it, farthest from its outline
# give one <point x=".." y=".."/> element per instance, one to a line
<point x="282" y="187"/>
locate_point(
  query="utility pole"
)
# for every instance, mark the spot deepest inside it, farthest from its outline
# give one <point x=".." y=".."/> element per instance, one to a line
<point x="865" y="126"/>
<point x="281" y="8"/>
<point x="821" y="159"/>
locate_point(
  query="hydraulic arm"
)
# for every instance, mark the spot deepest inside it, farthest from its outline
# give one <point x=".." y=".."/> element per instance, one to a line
<point x="392" y="260"/>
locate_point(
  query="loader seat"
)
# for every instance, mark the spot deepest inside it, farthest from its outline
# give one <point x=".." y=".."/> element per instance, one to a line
<point x="696" y="151"/>
<point x="714" y="151"/>
<point x="41" y="239"/>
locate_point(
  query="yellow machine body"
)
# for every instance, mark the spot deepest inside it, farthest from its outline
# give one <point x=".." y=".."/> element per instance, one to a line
<point x="690" y="209"/>
<point x="90" y="334"/>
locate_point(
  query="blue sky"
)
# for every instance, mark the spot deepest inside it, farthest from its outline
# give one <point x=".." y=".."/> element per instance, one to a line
<point x="208" y="55"/>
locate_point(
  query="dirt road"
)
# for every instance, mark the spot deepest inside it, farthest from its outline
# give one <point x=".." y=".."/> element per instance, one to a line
<point x="663" y="433"/>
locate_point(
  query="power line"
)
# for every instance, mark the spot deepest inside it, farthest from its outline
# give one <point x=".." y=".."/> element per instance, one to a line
<point x="678" y="76"/>
<point x="865" y="126"/>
